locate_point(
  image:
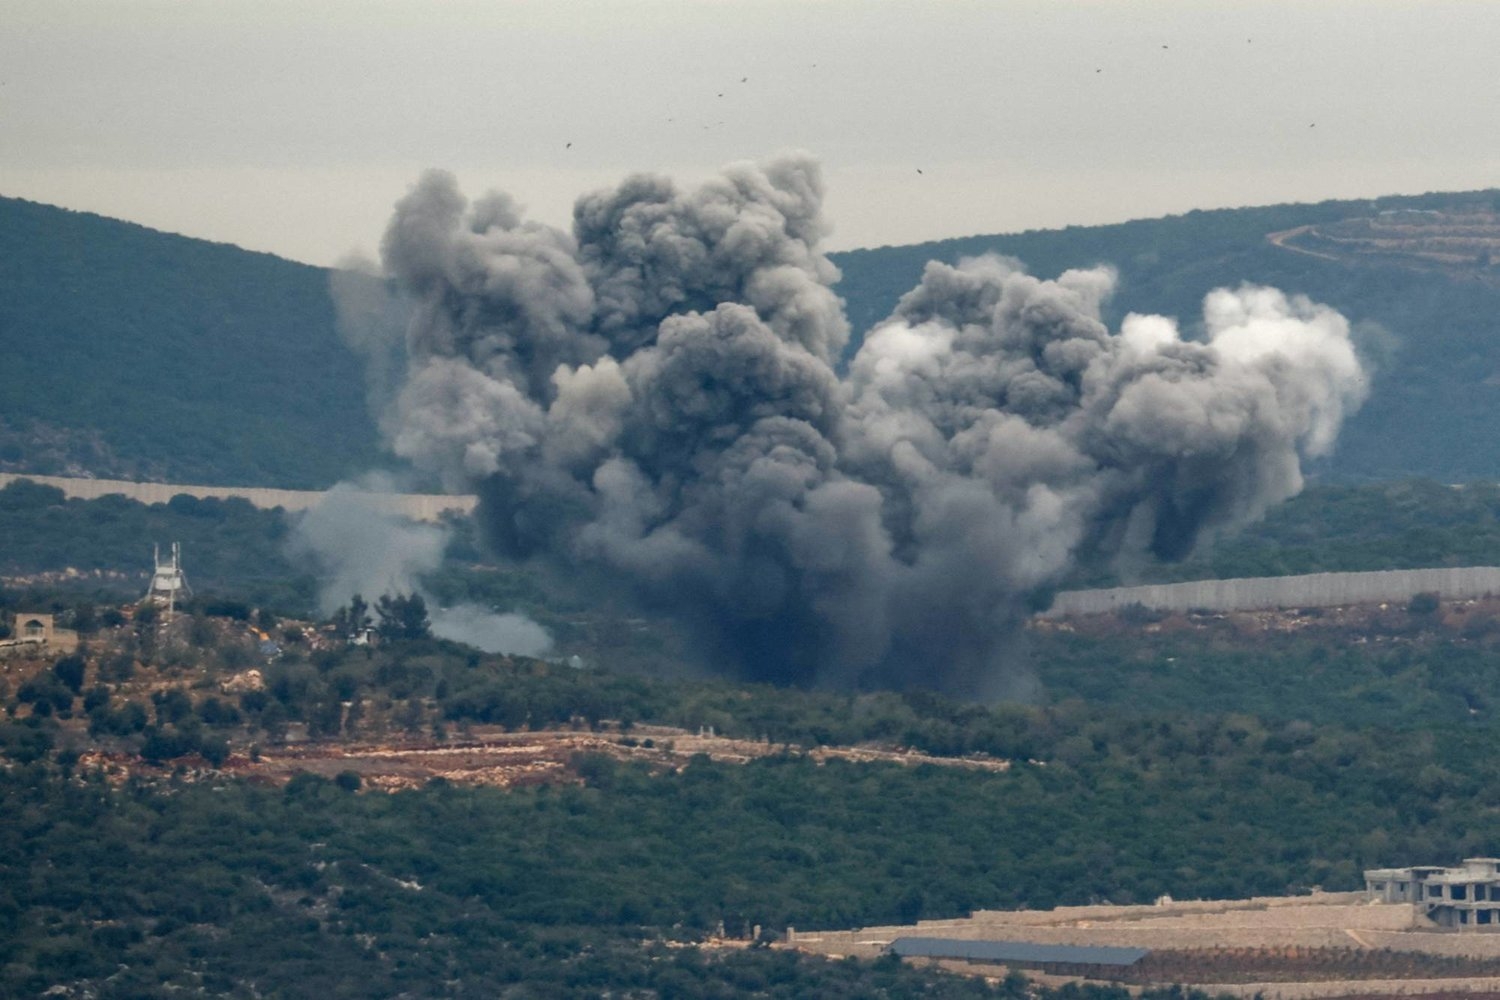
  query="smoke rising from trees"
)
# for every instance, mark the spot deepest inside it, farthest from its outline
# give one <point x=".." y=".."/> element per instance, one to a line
<point x="651" y="401"/>
<point x="360" y="549"/>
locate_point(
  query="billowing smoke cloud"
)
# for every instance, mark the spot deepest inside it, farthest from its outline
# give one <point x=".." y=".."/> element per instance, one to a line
<point x="651" y="400"/>
<point x="358" y="547"/>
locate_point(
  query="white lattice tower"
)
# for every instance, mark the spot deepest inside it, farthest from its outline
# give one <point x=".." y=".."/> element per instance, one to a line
<point x="168" y="582"/>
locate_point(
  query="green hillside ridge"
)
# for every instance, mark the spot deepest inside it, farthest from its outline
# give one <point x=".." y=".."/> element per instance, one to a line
<point x="136" y="354"/>
<point x="139" y="354"/>
<point x="1202" y="763"/>
<point x="219" y="886"/>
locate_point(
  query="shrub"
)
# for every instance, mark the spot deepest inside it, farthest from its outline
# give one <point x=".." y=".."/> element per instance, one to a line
<point x="1425" y="603"/>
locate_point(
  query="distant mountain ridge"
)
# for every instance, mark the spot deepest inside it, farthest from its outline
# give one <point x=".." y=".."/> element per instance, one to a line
<point x="143" y="355"/>
<point x="136" y="354"/>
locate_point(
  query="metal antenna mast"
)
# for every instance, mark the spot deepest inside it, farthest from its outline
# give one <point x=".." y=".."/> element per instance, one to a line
<point x="168" y="581"/>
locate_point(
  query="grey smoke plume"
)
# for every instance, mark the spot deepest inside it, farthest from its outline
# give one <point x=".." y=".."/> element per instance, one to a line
<point x="651" y="400"/>
<point x="359" y="548"/>
<point x="491" y="632"/>
<point x="372" y="322"/>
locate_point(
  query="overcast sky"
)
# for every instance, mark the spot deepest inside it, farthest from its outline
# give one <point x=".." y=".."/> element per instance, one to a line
<point x="293" y="126"/>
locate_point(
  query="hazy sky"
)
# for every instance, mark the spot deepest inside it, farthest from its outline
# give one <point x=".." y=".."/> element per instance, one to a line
<point x="293" y="126"/>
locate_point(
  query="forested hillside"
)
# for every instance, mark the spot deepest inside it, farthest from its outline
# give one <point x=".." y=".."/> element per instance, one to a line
<point x="181" y="882"/>
<point x="138" y="354"/>
<point x="1199" y="760"/>
<point x="135" y="354"/>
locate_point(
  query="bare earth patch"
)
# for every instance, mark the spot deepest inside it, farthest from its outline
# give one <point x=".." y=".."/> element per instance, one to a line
<point x="492" y="756"/>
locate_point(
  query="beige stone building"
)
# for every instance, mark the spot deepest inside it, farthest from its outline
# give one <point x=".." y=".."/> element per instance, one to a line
<point x="35" y="632"/>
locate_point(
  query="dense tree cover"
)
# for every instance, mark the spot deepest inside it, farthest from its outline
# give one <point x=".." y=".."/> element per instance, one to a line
<point x="1398" y="669"/>
<point x="353" y="618"/>
<point x="402" y="616"/>
<point x="1407" y="668"/>
<point x="1161" y="763"/>
<point x="228" y="545"/>
<point x="311" y="891"/>
<point x="228" y="886"/>
<point x="1411" y="767"/>
<point x="1412" y="675"/>
<point x="140" y="354"/>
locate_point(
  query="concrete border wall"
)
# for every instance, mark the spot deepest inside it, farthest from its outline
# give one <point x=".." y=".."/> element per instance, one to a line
<point x="1311" y="591"/>
<point x="417" y="506"/>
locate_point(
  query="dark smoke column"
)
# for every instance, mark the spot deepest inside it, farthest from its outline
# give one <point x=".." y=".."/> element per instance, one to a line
<point x="1008" y="430"/>
<point x="651" y="401"/>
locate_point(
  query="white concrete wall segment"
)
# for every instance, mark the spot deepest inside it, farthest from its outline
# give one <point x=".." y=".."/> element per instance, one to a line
<point x="417" y="506"/>
<point x="1310" y="591"/>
